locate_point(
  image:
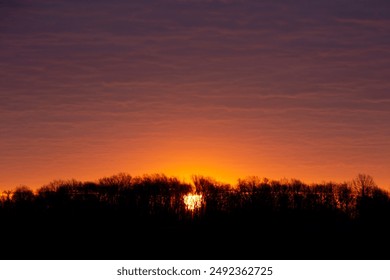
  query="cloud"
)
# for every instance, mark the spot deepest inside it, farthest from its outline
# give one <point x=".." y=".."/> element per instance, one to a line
<point x="285" y="77"/>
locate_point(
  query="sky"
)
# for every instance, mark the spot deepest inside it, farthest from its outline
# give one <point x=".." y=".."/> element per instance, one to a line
<point x="220" y="88"/>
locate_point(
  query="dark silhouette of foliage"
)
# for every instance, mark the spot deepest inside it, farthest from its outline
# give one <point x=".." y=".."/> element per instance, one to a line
<point x="146" y="217"/>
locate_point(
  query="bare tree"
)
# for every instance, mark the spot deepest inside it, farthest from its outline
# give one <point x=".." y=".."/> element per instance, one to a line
<point x="363" y="183"/>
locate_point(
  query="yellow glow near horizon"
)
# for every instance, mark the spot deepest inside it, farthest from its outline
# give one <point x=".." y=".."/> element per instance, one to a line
<point x="193" y="201"/>
<point x="186" y="170"/>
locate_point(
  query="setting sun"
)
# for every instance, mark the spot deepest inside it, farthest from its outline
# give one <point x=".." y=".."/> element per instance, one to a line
<point x="193" y="201"/>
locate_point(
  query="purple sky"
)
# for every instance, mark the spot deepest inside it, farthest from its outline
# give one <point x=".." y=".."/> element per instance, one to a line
<point x="223" y="88"/>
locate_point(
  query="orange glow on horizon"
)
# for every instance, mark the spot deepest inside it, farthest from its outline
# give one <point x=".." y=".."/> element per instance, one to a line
<point x="185" y="165"/>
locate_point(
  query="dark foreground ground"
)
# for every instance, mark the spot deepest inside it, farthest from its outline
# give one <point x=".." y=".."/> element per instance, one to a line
<point x="78" y="237"/>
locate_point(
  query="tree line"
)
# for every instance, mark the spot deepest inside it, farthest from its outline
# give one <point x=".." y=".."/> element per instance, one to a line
<point x="152" y="210"/>
<point x="161" y="195"/>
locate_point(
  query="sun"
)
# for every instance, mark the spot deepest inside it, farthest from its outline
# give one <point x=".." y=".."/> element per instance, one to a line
<point x="193" y="201"/>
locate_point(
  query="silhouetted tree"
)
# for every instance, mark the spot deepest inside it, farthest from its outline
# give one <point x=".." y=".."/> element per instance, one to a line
<point x="22" y="196"/>
<point x="363" y="185"/>
<point x="346" y="199"/>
